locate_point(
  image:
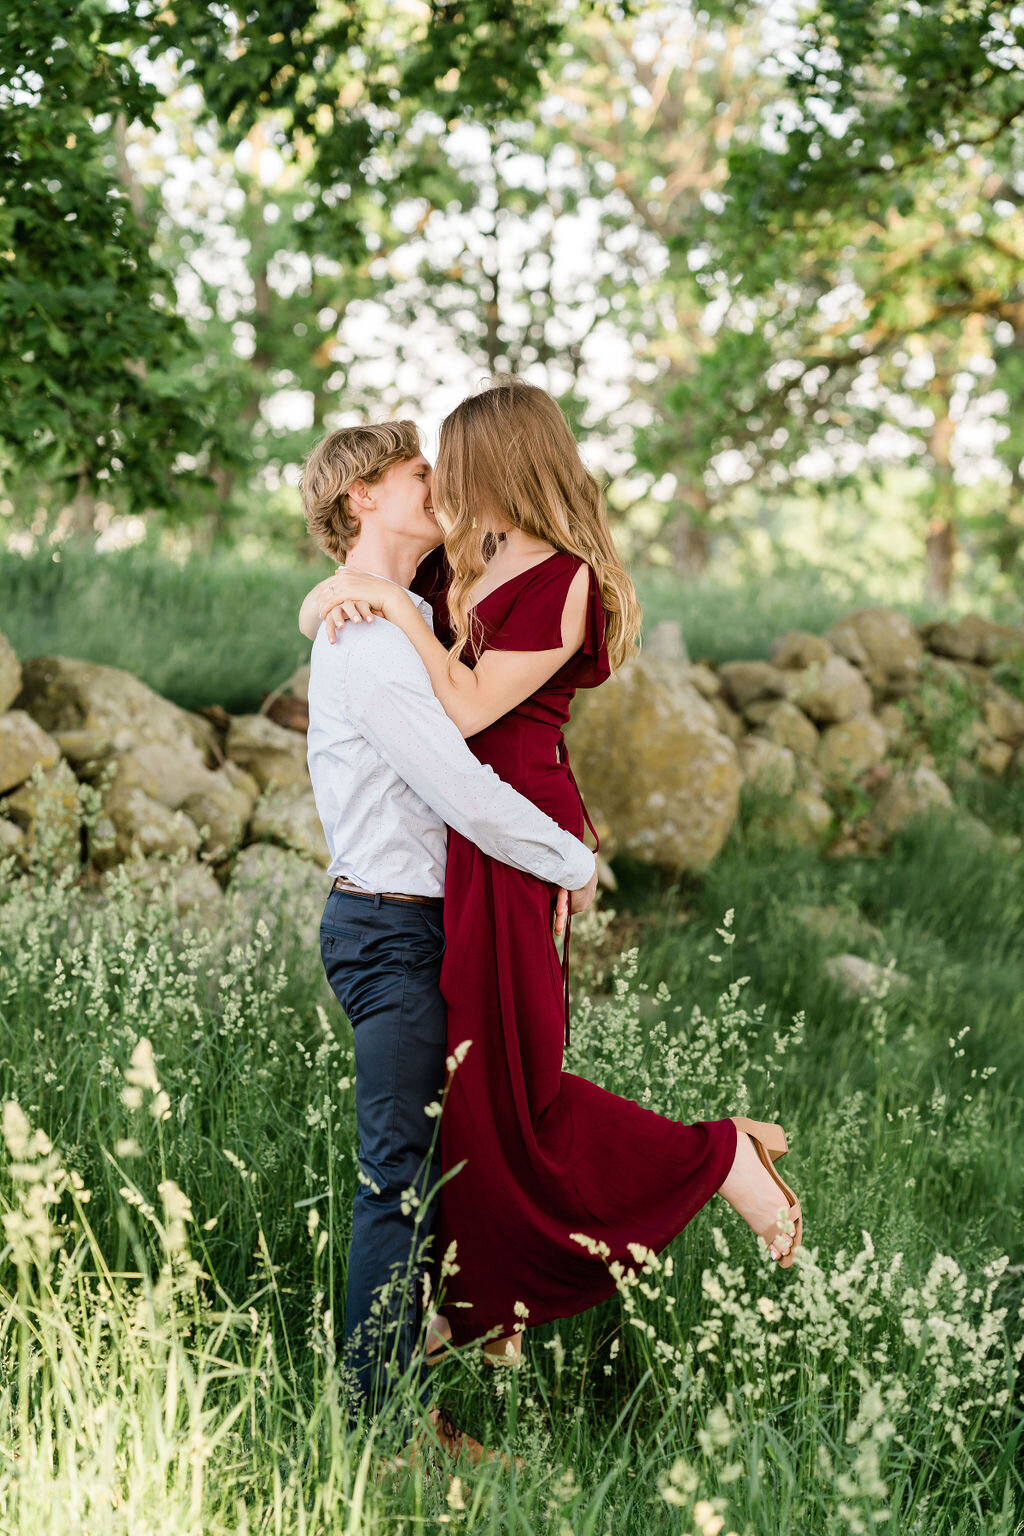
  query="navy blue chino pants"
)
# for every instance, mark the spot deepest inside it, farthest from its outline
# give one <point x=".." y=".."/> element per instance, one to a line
<point x="383" y="961"/>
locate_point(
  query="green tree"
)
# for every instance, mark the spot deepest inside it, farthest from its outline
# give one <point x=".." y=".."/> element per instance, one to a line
<point x="547" y="246"/>
<point x="867" y="254"/>
<point x="95" y="362"/>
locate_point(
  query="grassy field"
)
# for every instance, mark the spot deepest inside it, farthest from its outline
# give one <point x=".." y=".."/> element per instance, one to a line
<point x="180" y="1163"/>
<point x="220" y="630"/>
<point x="174" y="1259"/>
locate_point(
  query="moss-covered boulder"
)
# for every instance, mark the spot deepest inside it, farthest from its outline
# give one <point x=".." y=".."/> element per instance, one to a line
<point x="10" y="673"/>
<point x="96" y="712"/>
<point x="851" y="747"/>
<point x="908" y="794"/>
<point x="23" y="744"/>
<point x="660" y="779"/>
<point x="271" y="753"/>
<point x="881" y="643"/>
<point x="833" y="691"/>
<point x="289" y="818"/>
<point x="135" y="823"/>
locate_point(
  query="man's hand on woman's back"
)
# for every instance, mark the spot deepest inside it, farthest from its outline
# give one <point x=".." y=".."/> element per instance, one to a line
<point x="574" y="901"/>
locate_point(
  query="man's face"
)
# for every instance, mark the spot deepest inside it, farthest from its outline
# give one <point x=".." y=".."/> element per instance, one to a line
<point x="403" y="502"/>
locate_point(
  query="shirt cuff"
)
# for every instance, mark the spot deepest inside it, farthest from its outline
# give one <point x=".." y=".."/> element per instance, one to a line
<point x="578" y="868"/>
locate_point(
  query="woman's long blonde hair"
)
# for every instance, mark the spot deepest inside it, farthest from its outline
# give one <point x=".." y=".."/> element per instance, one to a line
<point x="508" y="453"/>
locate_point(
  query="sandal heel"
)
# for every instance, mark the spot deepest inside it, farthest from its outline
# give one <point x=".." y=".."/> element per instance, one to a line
<point x="770" y="1144"/>
<point x="771" y="1136"/>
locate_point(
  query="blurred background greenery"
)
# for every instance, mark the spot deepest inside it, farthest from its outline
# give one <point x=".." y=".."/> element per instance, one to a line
<point x="767" y="256"/>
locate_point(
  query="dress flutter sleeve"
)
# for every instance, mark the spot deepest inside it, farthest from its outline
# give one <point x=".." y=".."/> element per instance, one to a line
<point x="532" y="620"/>
<point x="590" y="666"/>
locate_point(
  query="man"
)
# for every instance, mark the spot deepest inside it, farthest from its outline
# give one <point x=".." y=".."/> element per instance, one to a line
<point x="390" y="770"/>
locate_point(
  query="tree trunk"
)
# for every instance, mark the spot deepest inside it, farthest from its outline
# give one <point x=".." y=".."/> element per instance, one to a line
<point x="940" y="548"/>
<point x="689" y="545"/>
<point x="79" y="517"/>
<point x="940" y="542"/>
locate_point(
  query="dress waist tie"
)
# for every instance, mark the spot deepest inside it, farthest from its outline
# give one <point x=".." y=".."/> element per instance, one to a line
<point x="563" y="757"/>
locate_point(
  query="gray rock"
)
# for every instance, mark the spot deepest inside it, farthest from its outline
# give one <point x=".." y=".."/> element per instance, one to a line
<point x="830" y="922"/>
<point x="279" y="887"/>
<point x="727" y="720"/>
<point x="46" y="809"/>
<point x="811" y="816"/>
<point x="766" y="766"/>
<point x="297" y="686"/>
<point x="170" y="773"/>
<point x="910" y="793"/>
<point x="804" y="818"/>
<point x="1004" y="715"/>
<point x="894" y="723"/>
<point x="289" y="818"/>
<point x="786" y="724"/>
<point x="288" y="705"/>
<point x="22" y="745"/>
<point x="133" y="822"/>
<point x="10" y="673"/>
<point x="882" y="643"/>
<point x="665" y="642"/>
<point x="221" y="817"/>
<point x="745" y="681"/>
<point x="223" y="809"/>
<point x="973" y="638"/>
<point x="850" y="748"/>
<point x="704" y="678"/>
<point x="272" y="754"/>
<point x="193" y="891"/>
<point x="831" y="692"/>
<point x="11" y="837"/>
<point x="95" y="711"/>
<point x="860" y="978"/>
<point x="660" y="780"/>
<point x="798" y="649"/>
<point x="995" y="758"/>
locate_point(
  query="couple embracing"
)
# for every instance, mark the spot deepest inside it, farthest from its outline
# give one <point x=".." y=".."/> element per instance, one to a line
<point x="441" y="680"/>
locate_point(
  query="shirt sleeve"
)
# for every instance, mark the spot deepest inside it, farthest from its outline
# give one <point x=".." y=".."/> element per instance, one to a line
<point x="390" y="700"/>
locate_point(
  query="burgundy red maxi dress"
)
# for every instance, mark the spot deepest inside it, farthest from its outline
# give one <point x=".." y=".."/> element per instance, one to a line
<point x="545" y="1153"/>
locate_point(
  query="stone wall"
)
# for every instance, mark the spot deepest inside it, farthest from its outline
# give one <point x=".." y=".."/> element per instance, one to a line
<point x="229" y="796"/>
<point x="844" y="737"/>
<point x="839" y="737"/>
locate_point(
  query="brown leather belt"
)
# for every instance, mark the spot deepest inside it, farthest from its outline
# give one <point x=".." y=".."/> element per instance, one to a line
<point x="354" y="890"/>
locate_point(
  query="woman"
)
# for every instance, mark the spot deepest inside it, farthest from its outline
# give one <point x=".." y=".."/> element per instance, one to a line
<point x="539" y="605"/>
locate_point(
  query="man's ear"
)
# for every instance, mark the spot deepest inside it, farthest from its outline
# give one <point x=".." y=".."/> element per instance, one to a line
<point x="360" y="494"/>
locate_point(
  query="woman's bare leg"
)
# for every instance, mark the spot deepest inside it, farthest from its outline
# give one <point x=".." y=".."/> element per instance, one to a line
<point x="438" y="1334"/>
<point x="506" y="1351"/>
<point x="750" y="1189"/>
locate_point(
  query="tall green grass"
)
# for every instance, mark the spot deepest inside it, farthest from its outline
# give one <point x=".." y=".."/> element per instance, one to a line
<point x="217" y="629"/>
<point x="213" y="630"/>
<point x="166" y="1359"/>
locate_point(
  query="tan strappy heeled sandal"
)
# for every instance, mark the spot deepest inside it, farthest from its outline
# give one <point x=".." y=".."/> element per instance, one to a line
<point x="770" y="1144"/>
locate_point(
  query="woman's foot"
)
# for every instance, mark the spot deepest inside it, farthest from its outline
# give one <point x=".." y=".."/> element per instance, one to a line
<point x="439" y="1336"/>
<point x="759" y="1197"/>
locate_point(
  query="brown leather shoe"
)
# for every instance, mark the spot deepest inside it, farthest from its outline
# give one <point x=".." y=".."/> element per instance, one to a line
<point x="453" y="1441"/>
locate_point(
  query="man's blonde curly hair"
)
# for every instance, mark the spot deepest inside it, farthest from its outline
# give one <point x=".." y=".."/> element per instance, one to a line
<point x="345" y="456"/>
